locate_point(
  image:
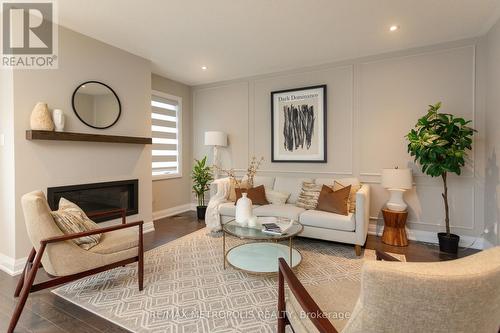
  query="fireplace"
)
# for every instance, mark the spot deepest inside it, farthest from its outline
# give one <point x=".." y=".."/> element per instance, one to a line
<point x="98" y="197"/>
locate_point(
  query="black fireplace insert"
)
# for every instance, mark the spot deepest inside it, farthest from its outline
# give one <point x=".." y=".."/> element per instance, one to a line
<point x="99" y="197"/>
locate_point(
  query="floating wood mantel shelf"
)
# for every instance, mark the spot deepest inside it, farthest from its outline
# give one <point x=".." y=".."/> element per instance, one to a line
<point x="70" y="136"/>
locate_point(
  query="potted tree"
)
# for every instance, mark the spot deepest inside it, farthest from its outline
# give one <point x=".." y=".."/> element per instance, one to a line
<point x="202" y="176"/>
<point x="439" y="143"/>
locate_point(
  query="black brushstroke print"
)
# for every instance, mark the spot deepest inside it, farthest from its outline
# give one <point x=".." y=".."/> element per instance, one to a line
<point x="298" y="129"/>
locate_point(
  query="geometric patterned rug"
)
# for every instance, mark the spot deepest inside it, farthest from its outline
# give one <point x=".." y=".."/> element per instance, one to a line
<point x="186" y="288"/>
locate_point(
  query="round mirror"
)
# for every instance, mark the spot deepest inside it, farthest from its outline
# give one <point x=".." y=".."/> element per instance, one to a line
<point x="96" y="104"/>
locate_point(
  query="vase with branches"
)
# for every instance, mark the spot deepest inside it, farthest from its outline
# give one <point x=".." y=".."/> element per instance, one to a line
<point x="252" y="169"/>
<point x="202" y="177"/>
<point x="439" y="143"/>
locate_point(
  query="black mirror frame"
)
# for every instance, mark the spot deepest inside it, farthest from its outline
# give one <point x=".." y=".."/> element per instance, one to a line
<point x="114" y="93"/>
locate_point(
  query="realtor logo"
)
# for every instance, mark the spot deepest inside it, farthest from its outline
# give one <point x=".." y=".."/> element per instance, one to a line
<point x="29" y="35"/>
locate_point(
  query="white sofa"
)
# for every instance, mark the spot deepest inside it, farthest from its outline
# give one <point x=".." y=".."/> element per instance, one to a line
<point x="351" y="229"/>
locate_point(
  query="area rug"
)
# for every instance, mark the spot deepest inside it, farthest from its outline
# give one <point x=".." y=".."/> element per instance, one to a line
<point x="186" y="288"/>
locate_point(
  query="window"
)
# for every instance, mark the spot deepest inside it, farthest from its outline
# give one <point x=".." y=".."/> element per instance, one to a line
<point x="166" y="124"/>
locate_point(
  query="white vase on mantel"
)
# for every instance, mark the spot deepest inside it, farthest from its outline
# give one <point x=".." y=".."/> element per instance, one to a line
<point x="40" y="118"/>
<point x="58" y="118"/>
<point x="243" y="210"/>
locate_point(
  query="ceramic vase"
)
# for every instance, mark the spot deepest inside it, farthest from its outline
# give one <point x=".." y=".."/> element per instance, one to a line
<point x="40" y="118"/>
<point x="243" y="210"/>
<point x="59" y="120"/>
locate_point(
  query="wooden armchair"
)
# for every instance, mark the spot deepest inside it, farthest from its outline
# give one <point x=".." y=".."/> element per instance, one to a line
<point x="460" y="295"/>
<point x="63" y="260"/>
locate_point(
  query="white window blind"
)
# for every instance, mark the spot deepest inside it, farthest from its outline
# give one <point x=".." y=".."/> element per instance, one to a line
<point x="165" y="119"/>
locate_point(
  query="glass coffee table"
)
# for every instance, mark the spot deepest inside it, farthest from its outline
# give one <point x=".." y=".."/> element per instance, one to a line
<point x="260" y="256"/>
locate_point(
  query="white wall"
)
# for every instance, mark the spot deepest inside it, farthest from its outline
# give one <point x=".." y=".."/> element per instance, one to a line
<point x="492" y="188"/>
<point x="42" y="164"/>
<point x="372" y="103"/>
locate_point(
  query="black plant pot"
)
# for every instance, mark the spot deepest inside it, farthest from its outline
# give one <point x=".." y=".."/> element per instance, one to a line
<point x="200" y="211"/>
<point x="448" y="244"/>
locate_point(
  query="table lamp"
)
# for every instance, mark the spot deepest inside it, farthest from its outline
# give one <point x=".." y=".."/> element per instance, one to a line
<point x="216" y="139"/>
<point x="397" y="181"/>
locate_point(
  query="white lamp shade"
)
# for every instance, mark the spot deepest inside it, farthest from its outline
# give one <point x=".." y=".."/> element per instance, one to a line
<point x="397" y="179"/>
<point x="215" y="138"/>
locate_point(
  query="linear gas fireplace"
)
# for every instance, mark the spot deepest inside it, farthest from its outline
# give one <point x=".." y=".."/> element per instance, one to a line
<point x="99" y="197"/>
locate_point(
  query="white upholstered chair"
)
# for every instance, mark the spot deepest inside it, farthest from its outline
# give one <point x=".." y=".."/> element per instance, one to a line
<point x="63" y="259"/>
<point x="461" y="295"/>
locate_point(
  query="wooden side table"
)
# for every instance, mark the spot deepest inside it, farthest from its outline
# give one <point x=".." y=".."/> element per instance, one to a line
<point x="394" y="228"/>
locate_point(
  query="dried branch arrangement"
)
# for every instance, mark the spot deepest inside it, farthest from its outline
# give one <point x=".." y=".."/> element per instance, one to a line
<point x="252" y="169"/>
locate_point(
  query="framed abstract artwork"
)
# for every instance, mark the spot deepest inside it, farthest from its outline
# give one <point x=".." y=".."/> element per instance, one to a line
<point x="298" y="125"/>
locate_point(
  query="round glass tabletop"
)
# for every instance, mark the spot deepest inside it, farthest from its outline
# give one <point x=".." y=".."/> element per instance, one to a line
<point x="256" y="233"/>
<point x="262" y="257"/>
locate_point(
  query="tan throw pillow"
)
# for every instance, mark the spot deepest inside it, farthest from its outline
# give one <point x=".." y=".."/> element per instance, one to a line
<point x="233" y="186"/>
<point x="277" y="197"/>
<point x="256" y="194"/>
<point x="334" y="201"/>
<point x="71" y="219"/>
<point x="308" y="197"/>
<point x="352" y="196"/>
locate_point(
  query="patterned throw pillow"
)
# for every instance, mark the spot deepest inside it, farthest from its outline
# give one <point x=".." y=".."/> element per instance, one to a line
<point x="71" y="219"/>
<point x="351" y="202"/>
<point x="308" y="197"/>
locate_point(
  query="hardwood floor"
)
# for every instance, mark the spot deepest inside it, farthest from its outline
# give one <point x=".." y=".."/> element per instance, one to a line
<point x="48" y="313"/>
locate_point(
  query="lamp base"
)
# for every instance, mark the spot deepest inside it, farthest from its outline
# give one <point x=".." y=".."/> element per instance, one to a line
<point x="396" y="202"/>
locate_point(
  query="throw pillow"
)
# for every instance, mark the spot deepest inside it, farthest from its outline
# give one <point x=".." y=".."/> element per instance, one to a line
<point x="256" y="194"/>
<point x="334" y="201"/>
<point x="71" y="219"/>
<point x="277" y="197"/>
<point x="352" y="196"/>
<point x="233" y="186"/>
<point x="308" y="197"/>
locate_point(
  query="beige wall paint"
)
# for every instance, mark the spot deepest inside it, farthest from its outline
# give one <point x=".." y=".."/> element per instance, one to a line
<point x="7" y="171"/>
<point x="492" y="188"/>
<point x="41" y="164"/>
<point x="169" y="193"/>
<point x="372" y="103"/>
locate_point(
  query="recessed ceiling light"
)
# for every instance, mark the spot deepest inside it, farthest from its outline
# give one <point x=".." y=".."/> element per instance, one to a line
<point x="204" y="68"/>
<point x="394" y="28"/>
<point x="83" y="86"/>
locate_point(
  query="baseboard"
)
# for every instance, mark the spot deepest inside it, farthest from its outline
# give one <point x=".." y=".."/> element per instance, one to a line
<point x="148" y="227"/>
<point x="431" y="237"/>
<point x="10" y="265"/>
<point x="172" y="211"/>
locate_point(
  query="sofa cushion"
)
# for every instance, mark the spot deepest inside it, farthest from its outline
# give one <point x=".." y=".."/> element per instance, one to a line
<point x="344" y="181"/>
<point x="288" y="210"/>
<point x="277" y="197"/>
<point x="320" y="219"/>
<point x="309" y="195"/>
<point x="268" y="182"/>
<point x="290" y="185"/>
<point x="229" y="208"/>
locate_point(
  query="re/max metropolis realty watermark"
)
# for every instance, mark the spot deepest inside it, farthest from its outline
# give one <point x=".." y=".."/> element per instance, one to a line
<point x="29" y="34"/>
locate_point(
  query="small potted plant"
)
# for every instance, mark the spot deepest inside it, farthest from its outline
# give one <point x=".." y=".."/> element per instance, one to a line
<point x="202" y="176"/>
<point x="439" y="143"/>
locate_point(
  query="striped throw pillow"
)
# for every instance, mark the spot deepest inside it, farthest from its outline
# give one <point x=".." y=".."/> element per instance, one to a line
<point x="309" y="195"/>
<point x="71" y="219"/>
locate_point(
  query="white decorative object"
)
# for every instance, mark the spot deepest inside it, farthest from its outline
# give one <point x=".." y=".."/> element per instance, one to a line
<point x="59" y="120"/>
<point x="252" y="221"/>
<point x="397" y="181"/>
<point x="216" y="139"/>
<point x="243" y="210"/>
<point x="40" y="119"/>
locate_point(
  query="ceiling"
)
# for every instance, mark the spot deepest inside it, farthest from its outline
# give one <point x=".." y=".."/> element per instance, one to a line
<point x="238" y="38"/>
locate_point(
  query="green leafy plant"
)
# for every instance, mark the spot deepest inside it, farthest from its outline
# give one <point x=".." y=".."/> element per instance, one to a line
<point x="202" y="176"/>
<point x="439" y="143"/>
